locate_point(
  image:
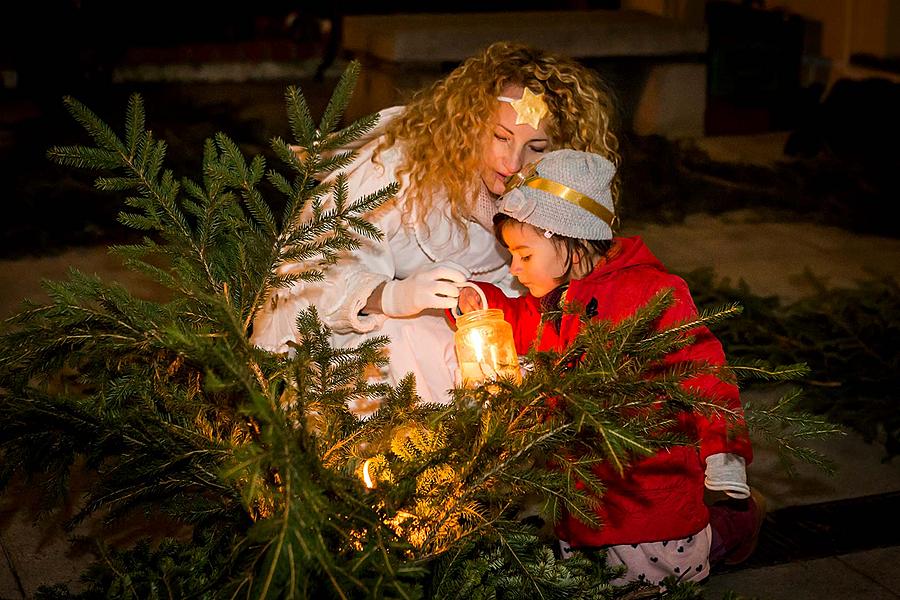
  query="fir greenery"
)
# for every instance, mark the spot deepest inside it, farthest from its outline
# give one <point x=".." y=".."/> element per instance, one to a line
<point x="278" y="489"/>
<point x="846" y="336"/>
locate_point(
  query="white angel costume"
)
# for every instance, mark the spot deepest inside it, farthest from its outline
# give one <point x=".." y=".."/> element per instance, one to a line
<point x="422" y="344"/>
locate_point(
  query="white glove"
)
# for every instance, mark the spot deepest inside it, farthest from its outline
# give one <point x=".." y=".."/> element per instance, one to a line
<point x="727" y="473"/>
<point x="432" y="287"/>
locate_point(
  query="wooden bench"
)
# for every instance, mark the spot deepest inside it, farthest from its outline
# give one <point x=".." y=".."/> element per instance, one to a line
<point x="656" y="66"/>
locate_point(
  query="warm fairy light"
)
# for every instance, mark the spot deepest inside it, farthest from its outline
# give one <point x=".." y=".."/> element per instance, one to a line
<point x="367" y="479"/>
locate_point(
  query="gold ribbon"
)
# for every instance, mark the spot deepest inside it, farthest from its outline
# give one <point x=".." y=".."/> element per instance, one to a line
<point x="575" y="197"/>
<point x="526" y="174"/>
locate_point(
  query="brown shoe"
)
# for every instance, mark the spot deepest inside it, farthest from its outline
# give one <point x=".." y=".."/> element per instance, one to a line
<point x="735" y="528"/>
<point x="757" y="503"/>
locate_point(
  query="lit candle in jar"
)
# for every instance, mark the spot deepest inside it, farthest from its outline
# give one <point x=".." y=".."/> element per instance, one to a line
<point x="484" y="345"/>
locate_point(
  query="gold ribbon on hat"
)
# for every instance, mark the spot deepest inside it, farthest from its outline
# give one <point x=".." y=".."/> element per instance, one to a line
<point x="528" y="176"/>
<point x="575" y="197"/>
<point x="524" y="175"/>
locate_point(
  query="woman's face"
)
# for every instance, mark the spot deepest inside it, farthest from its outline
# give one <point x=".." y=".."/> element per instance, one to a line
<point x="508" y="146"/>
<point x="537" y="262"/>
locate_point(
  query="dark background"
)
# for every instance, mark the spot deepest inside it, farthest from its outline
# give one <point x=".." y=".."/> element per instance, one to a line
<point x="842" y="143"/>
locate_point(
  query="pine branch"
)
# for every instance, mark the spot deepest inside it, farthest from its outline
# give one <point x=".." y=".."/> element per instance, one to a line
<point x="299" y="117"/>
<point x="789" y="429"/>
<point x="351" y="133"/>
<point x="762" y="371"/>
<point x="340" y="98"/>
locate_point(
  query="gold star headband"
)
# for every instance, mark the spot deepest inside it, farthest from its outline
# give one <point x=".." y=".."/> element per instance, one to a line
<point x="530" y="108"/>
<point x="528" y="176"/>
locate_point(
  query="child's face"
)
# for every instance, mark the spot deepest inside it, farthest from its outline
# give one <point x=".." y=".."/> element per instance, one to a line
<point x="537" y="262"/>
<point x="509" y="146"/>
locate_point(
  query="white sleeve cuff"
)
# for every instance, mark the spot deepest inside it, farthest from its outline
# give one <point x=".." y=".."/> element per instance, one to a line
<point x="727" y="473"/>
<point x="346" y="318"/>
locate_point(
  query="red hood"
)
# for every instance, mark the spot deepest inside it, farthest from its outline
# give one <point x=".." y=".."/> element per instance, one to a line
<point x="633" y="253"/>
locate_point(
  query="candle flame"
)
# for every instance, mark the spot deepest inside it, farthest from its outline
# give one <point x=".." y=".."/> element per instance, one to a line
<point x="367" y="479"/>
<point x="477" y="343"/>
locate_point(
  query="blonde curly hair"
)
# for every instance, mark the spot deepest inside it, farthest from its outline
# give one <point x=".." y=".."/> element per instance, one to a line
<point x="443" y="130"/>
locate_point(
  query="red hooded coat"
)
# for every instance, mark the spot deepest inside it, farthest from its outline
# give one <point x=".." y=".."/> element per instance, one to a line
<point x="660" y="497"/>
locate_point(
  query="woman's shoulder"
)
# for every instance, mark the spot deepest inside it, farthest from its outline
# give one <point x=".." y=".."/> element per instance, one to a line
<point x="384" y="119"/>
<point x="372" y="158"/>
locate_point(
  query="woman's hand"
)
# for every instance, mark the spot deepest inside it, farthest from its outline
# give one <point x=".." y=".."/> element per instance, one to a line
<point x="468" y="300"/>
<point x="432" y="287"/>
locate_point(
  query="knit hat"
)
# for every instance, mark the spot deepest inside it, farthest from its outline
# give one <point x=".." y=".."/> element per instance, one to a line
<point x="566" y="192"/>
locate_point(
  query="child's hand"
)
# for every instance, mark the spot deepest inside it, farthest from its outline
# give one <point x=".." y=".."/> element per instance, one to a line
<point x="468" y="300"/>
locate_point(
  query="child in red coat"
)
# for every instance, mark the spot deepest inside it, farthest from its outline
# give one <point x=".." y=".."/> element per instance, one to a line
<point x="556" y="219"/>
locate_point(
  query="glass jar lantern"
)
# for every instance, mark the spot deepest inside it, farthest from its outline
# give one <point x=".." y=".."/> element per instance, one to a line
<point x="485" y="347"/>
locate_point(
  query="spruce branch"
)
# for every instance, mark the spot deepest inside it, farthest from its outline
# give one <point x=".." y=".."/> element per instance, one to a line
<point x="340" y="98"/>
<point x="299" y="117"/>
<point x="763" y="371"/>
<point x="350" y="133"/>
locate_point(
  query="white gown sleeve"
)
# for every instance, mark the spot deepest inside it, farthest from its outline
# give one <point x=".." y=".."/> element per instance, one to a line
<point x="348" y="283"/>
<point x="421" y="345"/>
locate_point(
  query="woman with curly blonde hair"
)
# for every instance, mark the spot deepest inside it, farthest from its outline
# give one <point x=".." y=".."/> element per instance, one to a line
<point x="452" y="149"/>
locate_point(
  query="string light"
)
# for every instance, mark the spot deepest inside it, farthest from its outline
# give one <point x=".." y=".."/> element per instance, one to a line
<point x="367" y="479"/>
